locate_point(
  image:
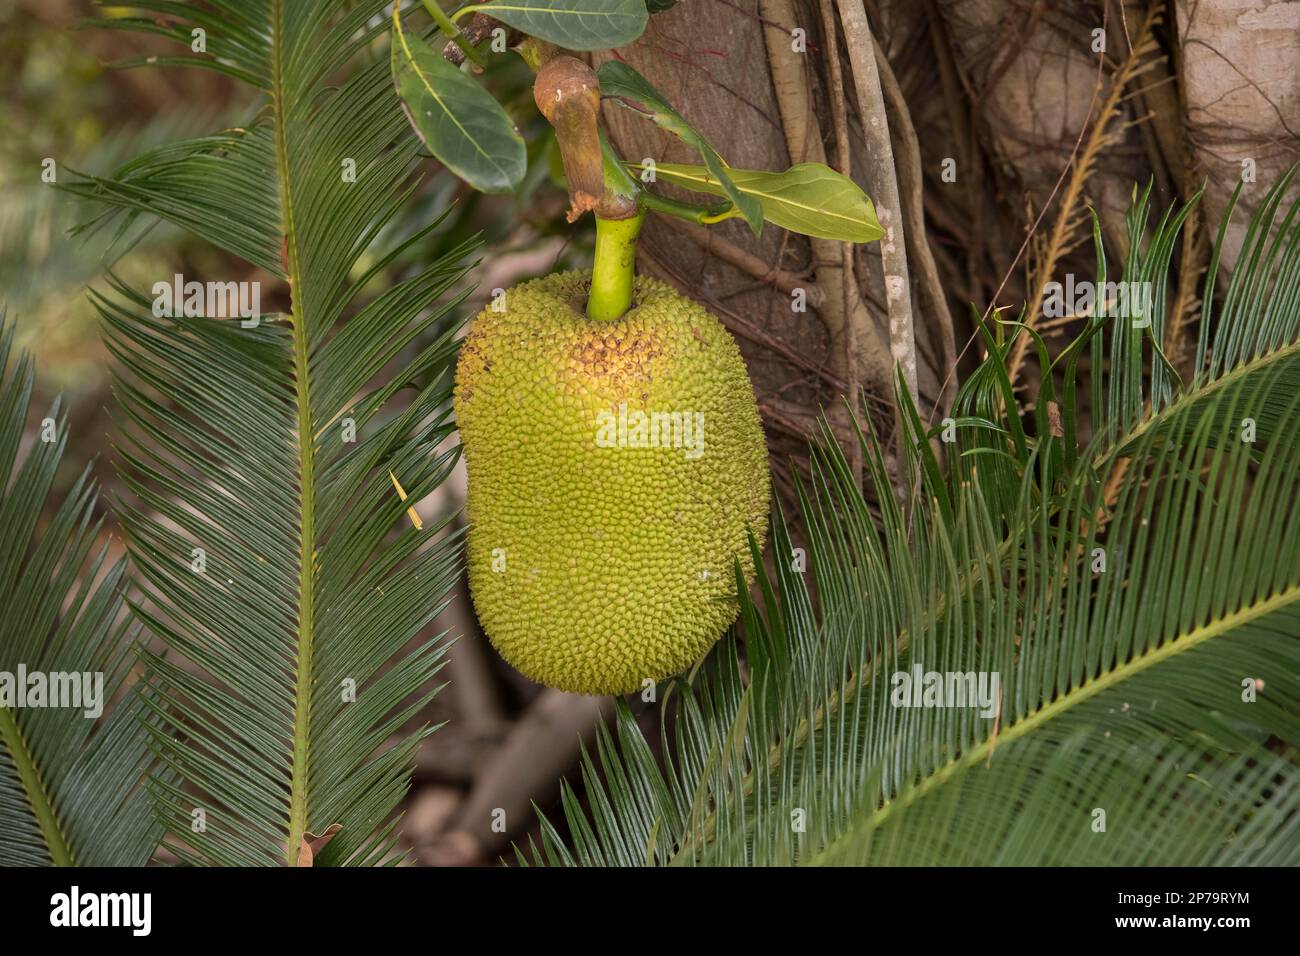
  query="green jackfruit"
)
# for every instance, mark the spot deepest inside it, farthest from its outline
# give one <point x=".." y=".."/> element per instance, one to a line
<point x="613" y="470"/>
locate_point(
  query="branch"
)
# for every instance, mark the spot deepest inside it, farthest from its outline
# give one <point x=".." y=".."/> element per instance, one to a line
<point x="911" y="186"/>
<point x="542" y="746"/>
<point x="568" y="94"/>
<point x="452" y="33"/>
<point x="857" y="345"/>
<point x="732" y="254"/>
<point x="883" y="187"/>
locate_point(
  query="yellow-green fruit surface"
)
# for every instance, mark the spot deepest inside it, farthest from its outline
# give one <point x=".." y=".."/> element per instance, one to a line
<point x="597" y="560"/>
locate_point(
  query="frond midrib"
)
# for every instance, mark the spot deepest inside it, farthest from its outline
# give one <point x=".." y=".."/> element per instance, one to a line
<point x="298" y="796"/>
<point x="29" y="775"/>
<point x="1169" y="649"/>
<point x="1193" y="395"/>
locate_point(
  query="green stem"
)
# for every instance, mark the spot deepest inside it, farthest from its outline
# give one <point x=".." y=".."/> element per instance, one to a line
<point x="618" y="182"/>
<point x="718" y="215"/>
<point x="612" y="269"/>
<point x="452" y="32"/>
<point x="682" y="210"/>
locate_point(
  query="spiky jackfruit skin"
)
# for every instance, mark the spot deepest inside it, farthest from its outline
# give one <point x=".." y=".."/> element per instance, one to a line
<point x="612" y="564"/>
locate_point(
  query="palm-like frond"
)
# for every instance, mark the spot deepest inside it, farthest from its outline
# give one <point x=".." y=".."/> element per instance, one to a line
<point x="71" y="786"/>
<point x="1138" y="598"/>
<point x="309" y="581"/>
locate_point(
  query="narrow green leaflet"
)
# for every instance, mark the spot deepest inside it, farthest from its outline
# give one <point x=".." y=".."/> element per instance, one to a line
<point x="810" y="199"/>
<point x="572" y="24"/>
<point x="624" y="84"/>
<point x="460" y="122"/>
<point x="73" y="763"/>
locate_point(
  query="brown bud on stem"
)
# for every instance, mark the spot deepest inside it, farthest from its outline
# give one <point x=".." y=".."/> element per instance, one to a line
<point x="479" y="29"/>
<point x="568" y="94"/>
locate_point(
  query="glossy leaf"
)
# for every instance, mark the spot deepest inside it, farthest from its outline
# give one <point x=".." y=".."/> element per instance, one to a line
<point x="572" y="24"/>
<point x="461" y="123"/>
<point x="810" y="199"/>
<point x="624" y="84"/>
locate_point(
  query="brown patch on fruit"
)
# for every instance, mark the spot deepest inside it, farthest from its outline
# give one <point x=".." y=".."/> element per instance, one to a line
<point x="618" y="357"/>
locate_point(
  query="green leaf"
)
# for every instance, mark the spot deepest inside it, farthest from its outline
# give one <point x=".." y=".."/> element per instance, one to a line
<point x="572" y="24"/>
<point x="811" y="199"/>
<point x="71" y="782"/>
<point x="461" y="123"/>
<point x="289" y="671"/>
<point x="624" y="84"/>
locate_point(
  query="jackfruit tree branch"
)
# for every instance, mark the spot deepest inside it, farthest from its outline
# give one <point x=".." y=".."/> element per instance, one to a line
<point x="567" y="92"/>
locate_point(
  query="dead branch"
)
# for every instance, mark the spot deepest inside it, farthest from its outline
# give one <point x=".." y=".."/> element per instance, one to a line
<point x="1103" y="133"/>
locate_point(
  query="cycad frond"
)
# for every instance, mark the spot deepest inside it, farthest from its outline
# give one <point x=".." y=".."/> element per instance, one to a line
<point x="1138" y="599"/>
<point x="277" y="565"/>
<point x="71" y="786"/>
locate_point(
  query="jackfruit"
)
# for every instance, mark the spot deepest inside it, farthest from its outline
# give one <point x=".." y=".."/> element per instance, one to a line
<point x="613" y="470"/>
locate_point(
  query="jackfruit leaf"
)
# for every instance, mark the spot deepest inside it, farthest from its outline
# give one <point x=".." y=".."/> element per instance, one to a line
<point x="629" y="88"/>
<point x="572" y="24"/>
<point x="71" y="780"/>
<point x="811" y="198"/>
<point x="461" y="123"/>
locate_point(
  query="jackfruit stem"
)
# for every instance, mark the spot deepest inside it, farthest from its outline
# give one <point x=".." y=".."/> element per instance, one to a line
<point x="613" y="267"/>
